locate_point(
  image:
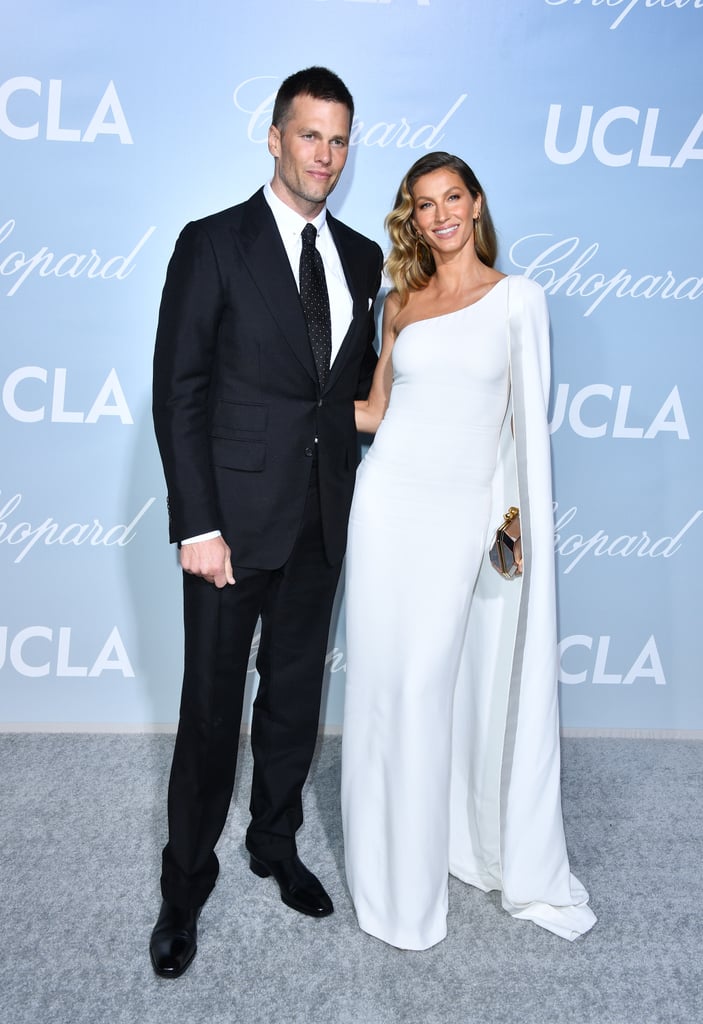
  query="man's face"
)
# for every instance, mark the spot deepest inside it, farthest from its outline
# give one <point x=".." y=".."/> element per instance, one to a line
<point x="310" y="151"/>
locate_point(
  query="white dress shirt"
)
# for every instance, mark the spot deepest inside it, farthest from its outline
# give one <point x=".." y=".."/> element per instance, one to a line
<point x="290" y="226"/>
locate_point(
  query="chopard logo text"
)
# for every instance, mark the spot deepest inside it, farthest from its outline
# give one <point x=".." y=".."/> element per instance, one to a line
<point x="625" y="7"/>
<point x="560" y="267"/>
<point x="572" y="548"/>
<point x="22" y="536"/>
<point x="255" y="98"/>
<point x="21" y="265"/>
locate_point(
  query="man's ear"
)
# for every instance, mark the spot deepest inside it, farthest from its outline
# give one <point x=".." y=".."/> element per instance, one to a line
<point x="274" y="141"/>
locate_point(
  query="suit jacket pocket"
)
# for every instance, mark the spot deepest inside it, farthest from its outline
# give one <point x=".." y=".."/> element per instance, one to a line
<point x="232" y="418"/>
<point x="249" y="456"/>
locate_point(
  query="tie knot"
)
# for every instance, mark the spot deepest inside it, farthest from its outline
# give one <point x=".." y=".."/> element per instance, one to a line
<point x="309" y="235"/>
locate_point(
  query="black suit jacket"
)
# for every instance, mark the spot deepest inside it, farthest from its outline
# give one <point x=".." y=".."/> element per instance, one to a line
<point x="236" y="400"/>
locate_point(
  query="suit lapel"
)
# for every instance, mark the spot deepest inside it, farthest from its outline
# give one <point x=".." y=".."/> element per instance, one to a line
<point x="265" y="257"/>
<point x="355" y="283"/>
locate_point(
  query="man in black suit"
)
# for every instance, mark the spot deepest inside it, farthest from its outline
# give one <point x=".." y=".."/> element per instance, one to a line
<point x="265" y="339"/>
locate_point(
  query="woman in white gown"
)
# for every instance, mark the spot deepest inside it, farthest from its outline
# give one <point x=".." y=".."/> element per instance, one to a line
<point x="450" y="758"/>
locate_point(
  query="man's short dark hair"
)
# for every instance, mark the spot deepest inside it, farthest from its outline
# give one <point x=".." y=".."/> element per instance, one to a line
<point x="320" y="83"/>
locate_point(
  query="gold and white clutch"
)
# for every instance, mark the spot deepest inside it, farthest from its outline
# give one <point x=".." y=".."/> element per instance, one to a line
<point x="502" y="550"/>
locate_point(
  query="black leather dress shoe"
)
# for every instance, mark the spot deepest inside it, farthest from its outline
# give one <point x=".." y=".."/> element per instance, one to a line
<point x="174" y="940"/>
<point x="299" y="887"/>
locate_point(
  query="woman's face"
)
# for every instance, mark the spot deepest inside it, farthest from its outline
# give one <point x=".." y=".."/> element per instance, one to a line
<point x="444" y="211"/>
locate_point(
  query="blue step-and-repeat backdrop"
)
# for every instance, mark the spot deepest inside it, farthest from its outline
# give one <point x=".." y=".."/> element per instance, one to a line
<point x="120" y="122"/>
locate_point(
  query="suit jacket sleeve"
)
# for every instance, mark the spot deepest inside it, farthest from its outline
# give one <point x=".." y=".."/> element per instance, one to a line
<point x="186" y="338"/>
<point x="370" y="358"/>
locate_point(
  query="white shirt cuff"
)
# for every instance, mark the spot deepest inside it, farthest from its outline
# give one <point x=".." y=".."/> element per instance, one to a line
<point x="201" y="536"/>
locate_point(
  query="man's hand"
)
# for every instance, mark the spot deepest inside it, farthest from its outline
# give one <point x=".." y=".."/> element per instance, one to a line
<point x="209" y="559"/>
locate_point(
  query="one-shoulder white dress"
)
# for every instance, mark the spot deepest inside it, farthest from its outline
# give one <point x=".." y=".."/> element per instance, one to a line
<point x="419" y="530"/>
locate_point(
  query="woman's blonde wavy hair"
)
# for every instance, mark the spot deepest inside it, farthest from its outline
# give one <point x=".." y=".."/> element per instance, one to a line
<point x="410" y="264"/>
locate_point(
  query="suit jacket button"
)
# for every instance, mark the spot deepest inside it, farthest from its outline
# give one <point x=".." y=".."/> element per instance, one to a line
<point x="308" y="452"/>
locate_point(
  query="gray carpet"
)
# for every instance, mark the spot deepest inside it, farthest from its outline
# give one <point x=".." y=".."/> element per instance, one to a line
<point x="83" y="821"/>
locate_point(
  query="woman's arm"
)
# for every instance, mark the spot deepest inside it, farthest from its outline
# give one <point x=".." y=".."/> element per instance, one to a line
<point x="369" y="413"/>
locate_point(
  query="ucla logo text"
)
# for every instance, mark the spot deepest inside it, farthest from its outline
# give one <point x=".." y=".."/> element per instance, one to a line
<point x="38" y="651"/>
<point x="614" y="141"/>
<point x="31" y="394"/>
<point x="580" y="663"/>
<point x="23" y="120"/>
<point x="600" y="410"/>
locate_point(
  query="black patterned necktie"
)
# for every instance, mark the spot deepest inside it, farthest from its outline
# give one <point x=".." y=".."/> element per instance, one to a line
<point x="316" y="303"/>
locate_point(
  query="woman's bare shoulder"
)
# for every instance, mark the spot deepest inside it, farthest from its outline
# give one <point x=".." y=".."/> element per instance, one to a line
<point x="391" y="303"/>
<point x="391" y="309"/>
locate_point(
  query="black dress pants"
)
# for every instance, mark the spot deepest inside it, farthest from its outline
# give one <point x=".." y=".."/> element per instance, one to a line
<point x="295" y="606"/>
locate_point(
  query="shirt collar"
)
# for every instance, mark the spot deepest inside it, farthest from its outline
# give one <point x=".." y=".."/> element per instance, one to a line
<point x="290" y="223"/>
